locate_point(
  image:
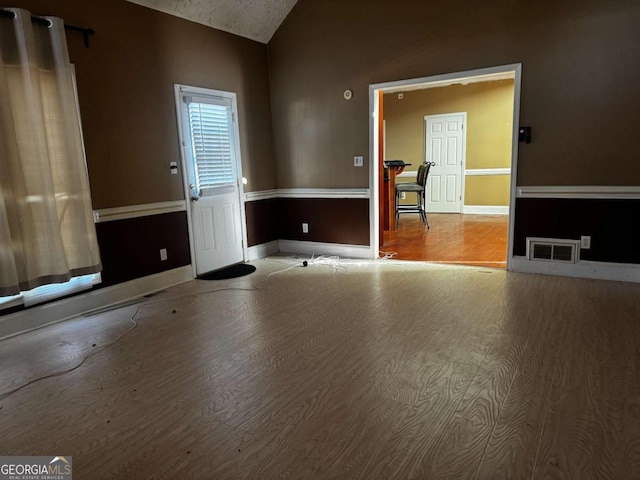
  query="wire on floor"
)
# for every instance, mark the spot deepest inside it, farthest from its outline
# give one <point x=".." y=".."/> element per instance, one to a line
<point x="69" y="370"/>
<point x="97" y="350"/>
<point x="333" y="262"/>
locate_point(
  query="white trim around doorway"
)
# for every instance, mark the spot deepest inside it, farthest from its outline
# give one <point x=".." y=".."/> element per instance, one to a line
<point x="483" y="74"/>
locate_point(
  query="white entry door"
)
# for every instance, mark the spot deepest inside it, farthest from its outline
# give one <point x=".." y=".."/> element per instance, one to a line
<point x="212" y="176"/>
<point x="445" y="145"/>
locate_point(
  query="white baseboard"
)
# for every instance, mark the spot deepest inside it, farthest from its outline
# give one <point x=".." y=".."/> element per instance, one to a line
<point x="485" y="209"/>
<point x="623" y="272"/>
<point x="36" y="317"/>
<point x="319" y="248"/>
<point x="263" y="250"/>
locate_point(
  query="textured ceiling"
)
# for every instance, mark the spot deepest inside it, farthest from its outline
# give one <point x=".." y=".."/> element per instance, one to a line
<point x="254" y="19"/>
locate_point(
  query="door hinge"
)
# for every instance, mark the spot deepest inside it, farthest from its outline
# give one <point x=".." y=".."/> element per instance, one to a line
<point x="233" y="116"/>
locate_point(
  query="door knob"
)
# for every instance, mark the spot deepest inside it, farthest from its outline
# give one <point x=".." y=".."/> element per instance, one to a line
<point x="196" y="195"/>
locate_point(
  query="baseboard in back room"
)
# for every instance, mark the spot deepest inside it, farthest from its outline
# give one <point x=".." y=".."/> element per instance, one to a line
<point x="485" y="209"/>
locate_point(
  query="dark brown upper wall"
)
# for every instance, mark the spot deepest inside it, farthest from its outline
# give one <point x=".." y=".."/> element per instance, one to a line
<point x="580" y="83"/>
<point x="125" y="87"/>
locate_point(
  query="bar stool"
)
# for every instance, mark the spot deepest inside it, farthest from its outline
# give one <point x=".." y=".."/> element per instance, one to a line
<point x="419" y="188"/>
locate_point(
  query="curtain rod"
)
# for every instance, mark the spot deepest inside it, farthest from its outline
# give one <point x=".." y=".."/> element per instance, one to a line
<point x="43" y="21"/>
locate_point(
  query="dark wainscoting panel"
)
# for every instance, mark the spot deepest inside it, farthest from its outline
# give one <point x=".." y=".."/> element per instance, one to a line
<point x="611" y="223"/>
<point x="331" y="220"/>
<point x="131" y="248"/>
<point x="262" y="221"/>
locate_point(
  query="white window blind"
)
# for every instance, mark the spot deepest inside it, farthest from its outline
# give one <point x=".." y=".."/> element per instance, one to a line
<point x="211" y="139"/>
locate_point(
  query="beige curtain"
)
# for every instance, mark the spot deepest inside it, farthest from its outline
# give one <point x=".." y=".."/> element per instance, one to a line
<point x="47" y="234"/>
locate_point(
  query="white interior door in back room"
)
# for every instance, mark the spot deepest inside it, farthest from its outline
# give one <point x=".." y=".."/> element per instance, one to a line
<point x="445" y="147"/>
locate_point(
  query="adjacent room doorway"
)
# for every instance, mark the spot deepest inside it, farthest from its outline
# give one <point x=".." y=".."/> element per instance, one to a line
<point x="448" y="186"/>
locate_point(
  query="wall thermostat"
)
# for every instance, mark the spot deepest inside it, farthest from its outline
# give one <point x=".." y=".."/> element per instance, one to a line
<point x="348" y="94"/>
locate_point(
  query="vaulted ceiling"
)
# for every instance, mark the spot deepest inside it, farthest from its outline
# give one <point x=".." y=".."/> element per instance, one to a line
<point x="254" y="19"/>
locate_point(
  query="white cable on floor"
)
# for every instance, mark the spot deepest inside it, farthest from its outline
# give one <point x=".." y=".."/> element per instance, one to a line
<point x="332" y="261"/>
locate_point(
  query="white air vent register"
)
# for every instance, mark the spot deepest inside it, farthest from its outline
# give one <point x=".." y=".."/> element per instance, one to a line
<point x="553" y="250"/>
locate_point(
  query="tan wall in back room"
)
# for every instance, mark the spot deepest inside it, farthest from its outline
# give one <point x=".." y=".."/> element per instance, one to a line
<point x="125" y="88"/>
<point x="580" y="89"/>
<point x="490" y="190"/>
<point x="489" y="107"/>
<point x="489" y="130"/>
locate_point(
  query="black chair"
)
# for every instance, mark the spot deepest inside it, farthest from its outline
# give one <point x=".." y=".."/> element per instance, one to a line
<point x="418" y="187"/>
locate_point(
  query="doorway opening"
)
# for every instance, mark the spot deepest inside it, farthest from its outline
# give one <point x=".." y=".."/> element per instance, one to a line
<point x="470" y="191"/>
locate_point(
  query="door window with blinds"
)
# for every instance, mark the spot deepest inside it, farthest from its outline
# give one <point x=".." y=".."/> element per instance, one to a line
<point x="211" y="143"/>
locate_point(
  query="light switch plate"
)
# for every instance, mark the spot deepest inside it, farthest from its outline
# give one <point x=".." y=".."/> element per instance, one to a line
<point x="358" y="161"/>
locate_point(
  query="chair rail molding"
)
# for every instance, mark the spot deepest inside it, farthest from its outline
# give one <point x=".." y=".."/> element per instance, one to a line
<point x="260" y="195"/>
<point x="323" y="193"/>
<point x="583" y="191"/>
<point x="134" y="211"/>
<point x="308" y="193"/>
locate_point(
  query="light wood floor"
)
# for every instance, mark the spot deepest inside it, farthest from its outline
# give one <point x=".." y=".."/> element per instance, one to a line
<point x="379" y="370"/>
<point x="479" y="240"/>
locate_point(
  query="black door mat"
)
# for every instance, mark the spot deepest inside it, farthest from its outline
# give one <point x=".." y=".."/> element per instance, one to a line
<point x="234" y="271"/>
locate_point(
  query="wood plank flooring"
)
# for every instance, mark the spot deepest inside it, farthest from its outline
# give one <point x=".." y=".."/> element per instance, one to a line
<point x="463" y="239"/>
<point x="353" y="370"/>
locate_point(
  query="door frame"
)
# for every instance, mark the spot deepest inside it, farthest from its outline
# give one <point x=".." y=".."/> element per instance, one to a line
<point x="463" y="161"/>
<point x="179" y="91"/>
<point x="513" y="70"/>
